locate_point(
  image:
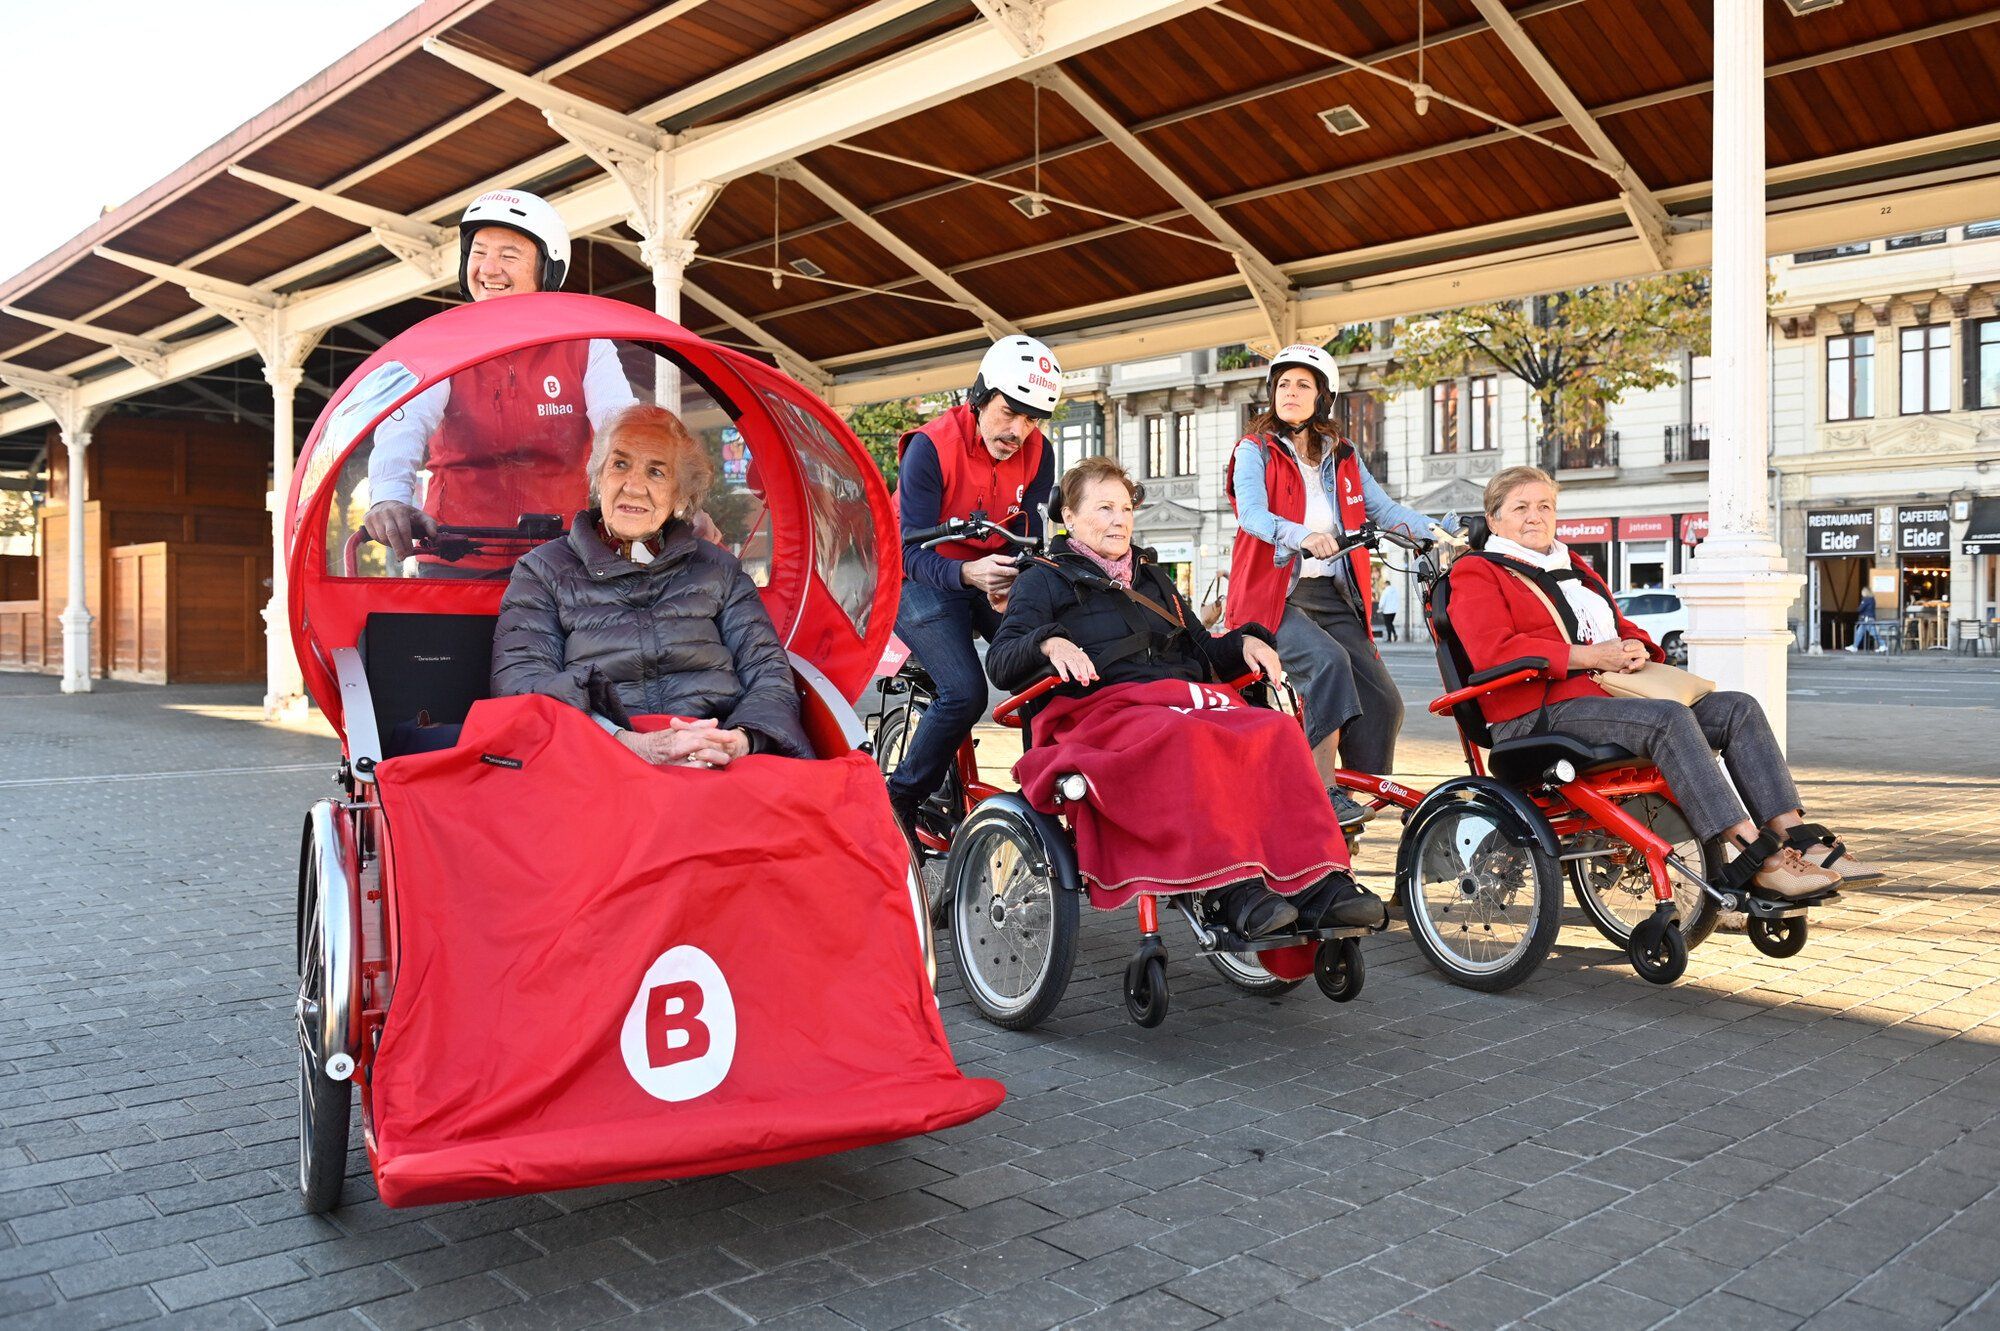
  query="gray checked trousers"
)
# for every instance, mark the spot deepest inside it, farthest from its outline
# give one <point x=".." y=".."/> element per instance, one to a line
<point x="1681" y="742"/>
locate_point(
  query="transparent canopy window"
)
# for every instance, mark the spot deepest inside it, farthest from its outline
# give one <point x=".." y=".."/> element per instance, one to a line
<point x="464" y="478"/>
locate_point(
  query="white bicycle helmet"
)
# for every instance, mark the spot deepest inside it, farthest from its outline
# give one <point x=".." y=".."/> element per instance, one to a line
<point x="529" y="214"/>
<point x="1320" y="363"/>
<point x="1022" y="370"/>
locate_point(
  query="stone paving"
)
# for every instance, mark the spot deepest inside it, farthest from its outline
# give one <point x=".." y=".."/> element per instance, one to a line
<point x="1812" y="1142"/>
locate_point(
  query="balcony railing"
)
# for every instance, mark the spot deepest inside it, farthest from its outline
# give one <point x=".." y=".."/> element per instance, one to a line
<point x="1590" y="454"/>
<point x="1687" y="443"/>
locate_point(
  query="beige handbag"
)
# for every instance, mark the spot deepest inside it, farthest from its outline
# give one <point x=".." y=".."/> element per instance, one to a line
<point x="1651" y="680"/>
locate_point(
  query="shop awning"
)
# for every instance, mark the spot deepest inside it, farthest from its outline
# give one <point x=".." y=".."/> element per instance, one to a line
<point x="1982" y="533"/>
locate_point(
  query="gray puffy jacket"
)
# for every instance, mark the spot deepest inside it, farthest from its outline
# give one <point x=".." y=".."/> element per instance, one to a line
<point x="685" y="634"/>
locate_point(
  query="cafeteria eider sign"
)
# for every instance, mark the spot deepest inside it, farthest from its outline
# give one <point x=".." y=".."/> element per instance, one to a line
<point x="1923" y="529"/>
<point x="1840" y="531"/>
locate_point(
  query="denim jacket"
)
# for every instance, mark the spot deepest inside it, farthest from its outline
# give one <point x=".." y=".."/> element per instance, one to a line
<point x="1286" y="538"/>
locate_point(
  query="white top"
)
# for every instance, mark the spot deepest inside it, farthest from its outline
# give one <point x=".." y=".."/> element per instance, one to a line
<point x="1594" y="620"/>
<point x="402" y="440"/>
<point x="1319" y="518"/>
<point x="1390" y="602"/>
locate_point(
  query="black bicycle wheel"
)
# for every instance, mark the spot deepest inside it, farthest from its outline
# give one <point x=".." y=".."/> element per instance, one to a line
<point x="1614" y="890"/>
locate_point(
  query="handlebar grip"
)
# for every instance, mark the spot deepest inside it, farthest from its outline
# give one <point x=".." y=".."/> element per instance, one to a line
<point x="922" y="534"/>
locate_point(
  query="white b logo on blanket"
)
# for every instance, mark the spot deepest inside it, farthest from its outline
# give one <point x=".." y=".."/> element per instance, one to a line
<point x="680" y="1032"/>
<point x="1207" y="699"/>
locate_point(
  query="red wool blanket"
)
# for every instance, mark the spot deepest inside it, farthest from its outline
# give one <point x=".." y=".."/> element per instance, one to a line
<point x="1190" y="788"/>
<point x="612" y="972"/>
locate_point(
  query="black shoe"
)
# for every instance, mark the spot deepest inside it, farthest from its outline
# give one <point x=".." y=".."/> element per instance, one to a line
<point x="1337" y="901"/>
<point x="1253" y="910"/>
<point x="906" y="808"/>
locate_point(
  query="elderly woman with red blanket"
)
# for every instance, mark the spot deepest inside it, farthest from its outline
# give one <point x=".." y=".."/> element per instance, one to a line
<point x="1190" y="790"/>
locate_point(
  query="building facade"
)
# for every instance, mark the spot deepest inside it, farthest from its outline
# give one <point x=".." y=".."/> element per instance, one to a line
<point x="1885" y="435"/>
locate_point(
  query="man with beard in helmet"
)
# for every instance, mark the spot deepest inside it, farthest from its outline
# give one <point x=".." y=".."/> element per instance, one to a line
<point x="509" y="435"/>
<point x="984" y="456"/>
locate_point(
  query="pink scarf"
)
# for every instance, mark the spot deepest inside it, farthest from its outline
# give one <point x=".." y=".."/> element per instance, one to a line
<point x="1119" y="570"/>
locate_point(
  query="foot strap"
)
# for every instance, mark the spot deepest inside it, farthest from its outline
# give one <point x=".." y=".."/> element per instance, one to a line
<point x="1806" y="835"/>
<point x="1738" y="873"/>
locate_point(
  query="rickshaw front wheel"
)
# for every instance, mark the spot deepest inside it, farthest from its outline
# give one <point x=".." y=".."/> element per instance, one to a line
<point x="325" y="1102"/>
<point x="1013" y="918"/>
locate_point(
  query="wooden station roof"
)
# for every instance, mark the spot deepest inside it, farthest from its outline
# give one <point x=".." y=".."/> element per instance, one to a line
<point x="924" y="248"/>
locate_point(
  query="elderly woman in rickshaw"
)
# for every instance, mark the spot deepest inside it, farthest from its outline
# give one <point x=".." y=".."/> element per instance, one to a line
<point x="631" y="613"/>
<point x="1527" y="595"/>
<point x="1189" y="790"/>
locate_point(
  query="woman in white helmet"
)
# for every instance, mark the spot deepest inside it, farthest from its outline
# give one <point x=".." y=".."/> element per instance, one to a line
<point x="988" y="456"/>
<point x="544" y="402"/>
<point x="1297" y="486"/>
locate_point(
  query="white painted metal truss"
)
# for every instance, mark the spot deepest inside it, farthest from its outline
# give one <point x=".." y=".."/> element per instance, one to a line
<point x="644" y="164"/>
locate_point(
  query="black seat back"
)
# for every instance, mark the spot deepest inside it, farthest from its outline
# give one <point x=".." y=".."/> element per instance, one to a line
<point x="1453" y="667"/>
<point x="439" y="664"/>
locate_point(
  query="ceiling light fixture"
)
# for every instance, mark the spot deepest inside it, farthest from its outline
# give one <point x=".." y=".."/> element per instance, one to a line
<point x="1343" y="119"/>
<point x="1420" y="89"/>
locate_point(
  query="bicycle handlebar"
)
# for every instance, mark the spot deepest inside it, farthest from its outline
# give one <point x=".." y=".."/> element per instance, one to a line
<point x="976" y="527"/>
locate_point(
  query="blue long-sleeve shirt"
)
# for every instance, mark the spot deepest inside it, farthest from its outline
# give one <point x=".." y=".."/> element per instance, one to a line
<point x="1287" y="538"/>
<point x="920" y="501"/>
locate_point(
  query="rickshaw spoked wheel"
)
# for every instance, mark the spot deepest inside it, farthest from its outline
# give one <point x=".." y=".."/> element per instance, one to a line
<point x="1615" y="895"/>
<point x="1013" y="924"/>
<point x="1339" y="970"/>
<point x="325" y="1103"/>
<point x="1482" y="898"/>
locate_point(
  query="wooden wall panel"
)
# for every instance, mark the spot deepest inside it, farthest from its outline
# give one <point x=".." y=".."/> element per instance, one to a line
<point x="20" y="577"/>
<point x="213" y="599"/>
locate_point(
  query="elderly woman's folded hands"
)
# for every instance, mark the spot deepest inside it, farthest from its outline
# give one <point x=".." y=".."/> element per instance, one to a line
<point x="1619" y="657"/>
<point x="702" y="743"/>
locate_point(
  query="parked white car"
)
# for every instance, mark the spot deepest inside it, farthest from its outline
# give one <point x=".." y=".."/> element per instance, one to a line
<point x="1663" y="616"/>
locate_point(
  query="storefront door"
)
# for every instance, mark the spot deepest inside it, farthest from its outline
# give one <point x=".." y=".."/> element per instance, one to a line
<point x="1840" y="547"/>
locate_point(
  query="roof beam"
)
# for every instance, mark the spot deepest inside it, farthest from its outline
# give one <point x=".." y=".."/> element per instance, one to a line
<point x="1020" y="21"/>
<point x="956" y="62"/>
<point x="282" y="337"/>
<point x="565" y="110"/>
<point x="1272" y="290"/>
<point x="429" y="249"/>
<point x="792" y="362"/>
<point x="144" y="352"/>
<point x="1648" y="217"/>
<point x="997" y="325"/>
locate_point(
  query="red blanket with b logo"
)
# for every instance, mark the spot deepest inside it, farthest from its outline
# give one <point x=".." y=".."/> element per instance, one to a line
<point x="1190" y="788"/>
<point x="613" y="972"/>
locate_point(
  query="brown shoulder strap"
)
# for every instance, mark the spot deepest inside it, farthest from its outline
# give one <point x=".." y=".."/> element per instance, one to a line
<point x="1172" y="617"/>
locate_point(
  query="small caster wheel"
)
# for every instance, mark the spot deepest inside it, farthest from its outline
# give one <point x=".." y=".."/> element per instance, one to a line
<point x="1660" y="957"/>
<point x="1778" y="938"/>
<point x="1339" y="969"/>
<point x="1146" y="989"/>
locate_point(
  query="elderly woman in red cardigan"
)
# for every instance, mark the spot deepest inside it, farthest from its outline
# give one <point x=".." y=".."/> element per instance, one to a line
<point x="1501" y="609"/>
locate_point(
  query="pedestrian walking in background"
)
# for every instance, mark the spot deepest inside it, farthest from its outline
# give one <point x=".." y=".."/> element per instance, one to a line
<point x="1390" y="603"/>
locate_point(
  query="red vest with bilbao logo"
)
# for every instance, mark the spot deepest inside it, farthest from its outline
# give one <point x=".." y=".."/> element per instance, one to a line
<point x="514" y="439"/>
<point x="1257" y="585"/>
<point x="974" y="480"/>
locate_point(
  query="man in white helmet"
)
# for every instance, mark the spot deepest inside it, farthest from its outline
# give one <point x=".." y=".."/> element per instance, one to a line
<point x="984" y="456"/>
<point x="540" y="404"/>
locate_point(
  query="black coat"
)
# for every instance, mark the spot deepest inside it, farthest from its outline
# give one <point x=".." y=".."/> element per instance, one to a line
<point x="1068" y="596"/>
<point x="685" y="635"/>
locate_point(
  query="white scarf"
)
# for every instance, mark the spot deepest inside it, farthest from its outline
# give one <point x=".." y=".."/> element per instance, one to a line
<point x="1594" y="620"/>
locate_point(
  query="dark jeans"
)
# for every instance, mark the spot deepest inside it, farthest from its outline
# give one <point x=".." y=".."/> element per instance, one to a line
<point x="1389" y="625"/>
<point x="938" y="627"/>
<point x="1331" y="659"/>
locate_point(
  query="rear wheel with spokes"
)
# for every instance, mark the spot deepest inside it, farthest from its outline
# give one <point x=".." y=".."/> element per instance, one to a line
<point x="1616" y="892"/>
<point x="1013" y="925"/>
<point x="1484" y="900"/>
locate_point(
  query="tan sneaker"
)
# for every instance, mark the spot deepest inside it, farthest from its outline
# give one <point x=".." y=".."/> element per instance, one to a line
<point x="1790" y="874"/>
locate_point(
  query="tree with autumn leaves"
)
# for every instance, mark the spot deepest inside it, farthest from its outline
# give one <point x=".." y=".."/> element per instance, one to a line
<point x="1578" y="351"/>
